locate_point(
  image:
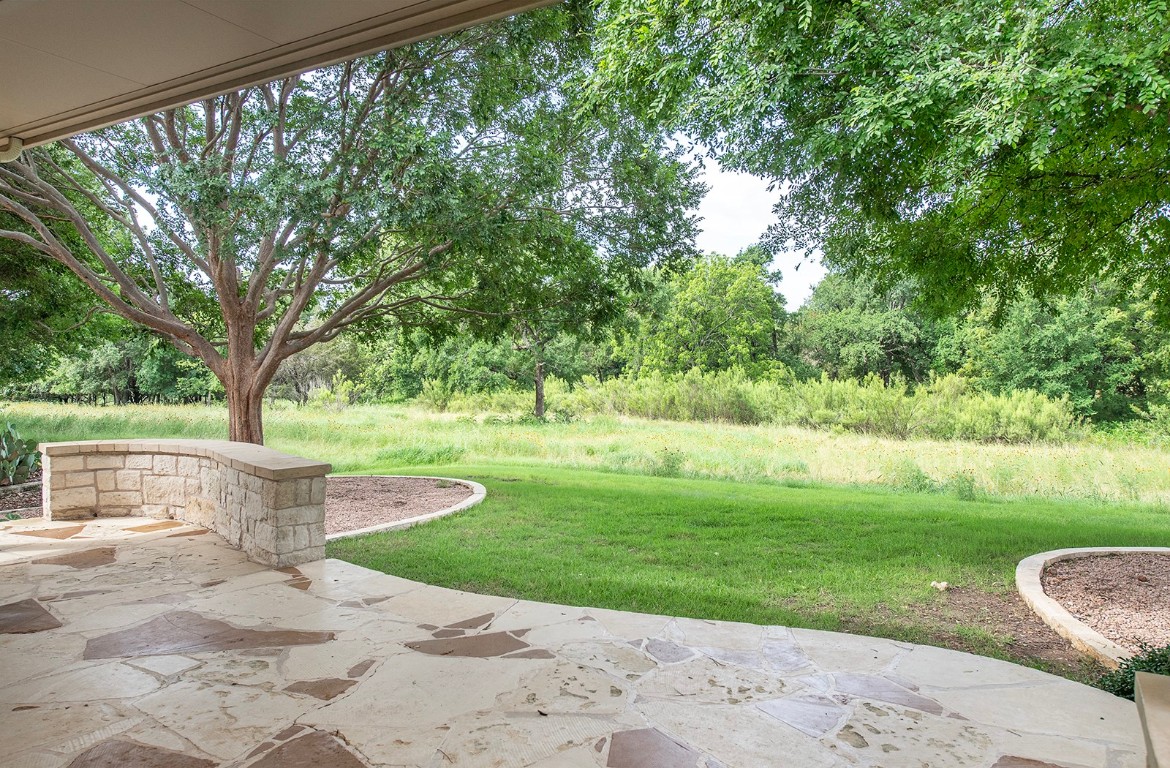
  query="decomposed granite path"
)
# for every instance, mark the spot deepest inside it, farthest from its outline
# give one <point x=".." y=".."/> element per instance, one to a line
<point x="130" y="643"/>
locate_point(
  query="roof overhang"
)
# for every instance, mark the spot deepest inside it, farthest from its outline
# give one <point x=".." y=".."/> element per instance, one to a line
<point x="68" y="66"/>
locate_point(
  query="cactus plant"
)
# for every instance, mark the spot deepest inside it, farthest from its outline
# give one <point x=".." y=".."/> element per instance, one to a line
<point x="18" y="457"/>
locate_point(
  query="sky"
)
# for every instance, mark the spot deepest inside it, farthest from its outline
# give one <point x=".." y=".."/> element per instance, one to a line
<point x="735" y="213"/>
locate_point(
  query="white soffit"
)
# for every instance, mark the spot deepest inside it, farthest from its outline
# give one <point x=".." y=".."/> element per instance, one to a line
<point x="68" y="66"/>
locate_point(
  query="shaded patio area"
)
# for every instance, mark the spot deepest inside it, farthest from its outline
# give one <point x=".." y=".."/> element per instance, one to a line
<point x="139" y="642"/>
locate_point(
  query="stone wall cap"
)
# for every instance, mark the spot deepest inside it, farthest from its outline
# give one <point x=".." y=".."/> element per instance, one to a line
<point x="253" y="459"/>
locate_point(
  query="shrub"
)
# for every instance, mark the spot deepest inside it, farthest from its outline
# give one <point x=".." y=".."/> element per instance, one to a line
<point x="18" y="457"/>
<point x="727" y="396"/>
<point x="1120" y="682"/>
<point x="668" y="463"/>
<point x="908" y="476"/>
<point x="944" y="409"/>
<point x="962" y="485"/>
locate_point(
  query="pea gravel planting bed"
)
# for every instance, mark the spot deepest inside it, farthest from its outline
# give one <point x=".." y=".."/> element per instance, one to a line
<point x="1125" y="597"/>
<point x="362" y="501"/>
<point x="350" y="502"/>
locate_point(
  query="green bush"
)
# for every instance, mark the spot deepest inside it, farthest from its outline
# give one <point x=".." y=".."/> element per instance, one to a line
<point x="945" y="409"/>
<point x="18" y="457"/>
<point x="1120" y="682"/>
<point x="908" y="476"/>
<point x="727" y="396"/>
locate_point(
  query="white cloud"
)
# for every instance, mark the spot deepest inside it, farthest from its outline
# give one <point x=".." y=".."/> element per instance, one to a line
<point x="736" y="212"/>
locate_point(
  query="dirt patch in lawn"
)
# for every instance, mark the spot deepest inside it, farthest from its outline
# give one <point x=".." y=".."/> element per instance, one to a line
<point x="985" y="623"/>
<point x="360" y="502"/>
<point x="1007" y="616"/>
<point x="1125" y="597"/>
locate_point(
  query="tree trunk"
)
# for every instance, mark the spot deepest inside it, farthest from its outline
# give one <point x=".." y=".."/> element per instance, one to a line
<point x="538" y="375"/>
<point x="245" y="401"/>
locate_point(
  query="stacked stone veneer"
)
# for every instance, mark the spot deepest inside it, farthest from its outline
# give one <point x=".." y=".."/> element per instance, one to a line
<point x="269" y="504"/>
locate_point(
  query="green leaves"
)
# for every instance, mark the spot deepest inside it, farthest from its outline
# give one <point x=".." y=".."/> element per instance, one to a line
<point x="18" y="457"/>
<point x="1019" y="147"/>
<point x="721" y="314"/>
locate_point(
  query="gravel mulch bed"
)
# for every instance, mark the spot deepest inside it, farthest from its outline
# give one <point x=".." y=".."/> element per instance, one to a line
<point x="1125" y="597"/>
<point x="22" y="500"/>
<point x="27" y="502"/>
<point x="350" y="502"/>
<point x="359" y="502"/>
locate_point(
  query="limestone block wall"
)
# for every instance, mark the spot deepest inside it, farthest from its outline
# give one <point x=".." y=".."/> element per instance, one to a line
<point x="269" y="504"/>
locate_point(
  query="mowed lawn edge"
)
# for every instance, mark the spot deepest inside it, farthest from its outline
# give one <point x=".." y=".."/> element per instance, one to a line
<point x="818" y="557"/>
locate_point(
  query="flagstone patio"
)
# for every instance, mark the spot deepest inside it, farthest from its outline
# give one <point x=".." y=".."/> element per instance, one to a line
<point x="131" y="642"/>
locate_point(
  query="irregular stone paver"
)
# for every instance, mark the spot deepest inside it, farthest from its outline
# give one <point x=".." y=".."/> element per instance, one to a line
<point x="314" y="750"/>
<point x="84" y="558"/>
<point x="649" y="748"/>
<point x="187" y="632"/>
<point x="119" y="754"/>
<point x="25" y="616"/>
<point x="63" y="532"/>
<point x="180" y="650"/>
<point x="324" y="689"/>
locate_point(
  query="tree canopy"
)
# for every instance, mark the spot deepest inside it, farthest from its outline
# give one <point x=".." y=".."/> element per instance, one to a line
<point x="723" y="313"/>
<point x="982" y="146"/>
<point x="457" y="174"/>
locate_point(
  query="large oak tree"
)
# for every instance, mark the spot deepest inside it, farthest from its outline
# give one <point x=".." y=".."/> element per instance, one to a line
<point x="456" y="174"/>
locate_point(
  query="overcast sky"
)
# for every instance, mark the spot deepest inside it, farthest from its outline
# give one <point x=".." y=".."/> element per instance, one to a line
<point x="735" y="213"/>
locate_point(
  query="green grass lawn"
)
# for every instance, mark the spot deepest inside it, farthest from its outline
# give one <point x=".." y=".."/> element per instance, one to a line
<point x="753" y="530"/>
<point x="826" y="558"/>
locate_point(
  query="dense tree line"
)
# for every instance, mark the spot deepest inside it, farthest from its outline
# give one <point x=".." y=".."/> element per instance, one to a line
<point x="1101" y="348"/>
<point x="486" y="210"/>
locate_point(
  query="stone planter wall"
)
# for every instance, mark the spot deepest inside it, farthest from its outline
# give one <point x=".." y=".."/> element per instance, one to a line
<point x="269" y="504"/>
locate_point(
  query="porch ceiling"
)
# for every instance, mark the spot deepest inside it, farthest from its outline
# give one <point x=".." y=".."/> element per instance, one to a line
<point x="68" y="66"/>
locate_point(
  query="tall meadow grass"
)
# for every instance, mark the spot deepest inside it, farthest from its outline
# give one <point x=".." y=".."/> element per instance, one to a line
<point x="408" y="438"/>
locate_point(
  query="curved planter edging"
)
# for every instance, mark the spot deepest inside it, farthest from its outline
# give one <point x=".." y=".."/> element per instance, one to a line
<point x="35" y="485"/>
<point x="478" y="493"/>
<point x="1082" y="637"/>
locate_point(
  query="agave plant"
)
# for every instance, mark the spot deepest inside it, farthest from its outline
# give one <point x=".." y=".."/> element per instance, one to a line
<point x="18" y="457"/>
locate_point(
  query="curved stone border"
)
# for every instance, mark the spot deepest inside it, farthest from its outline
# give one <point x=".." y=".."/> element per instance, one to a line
<point x="35" y="485"/>
<point x="1082" y="637"/>
<point x="478" y="493"/>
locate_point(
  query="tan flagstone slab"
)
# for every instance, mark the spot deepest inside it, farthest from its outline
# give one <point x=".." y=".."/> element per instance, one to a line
<point x="225" y="721"/>
<point x="630" y="626"/>
<point x="857" y="653"/>
<point x="61" y="727"/>
<point x="565" y="688"/>
<point x="91" y="682"/>
<point x="519" y="739"/>
<point x="56" y="532"/>
<point x="738" y="736"/>
<point x="1018" y="708"/>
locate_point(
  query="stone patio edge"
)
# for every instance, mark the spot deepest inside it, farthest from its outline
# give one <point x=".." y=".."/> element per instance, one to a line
<point x="1080" y="635"/>
<point x="478" y="493"/>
